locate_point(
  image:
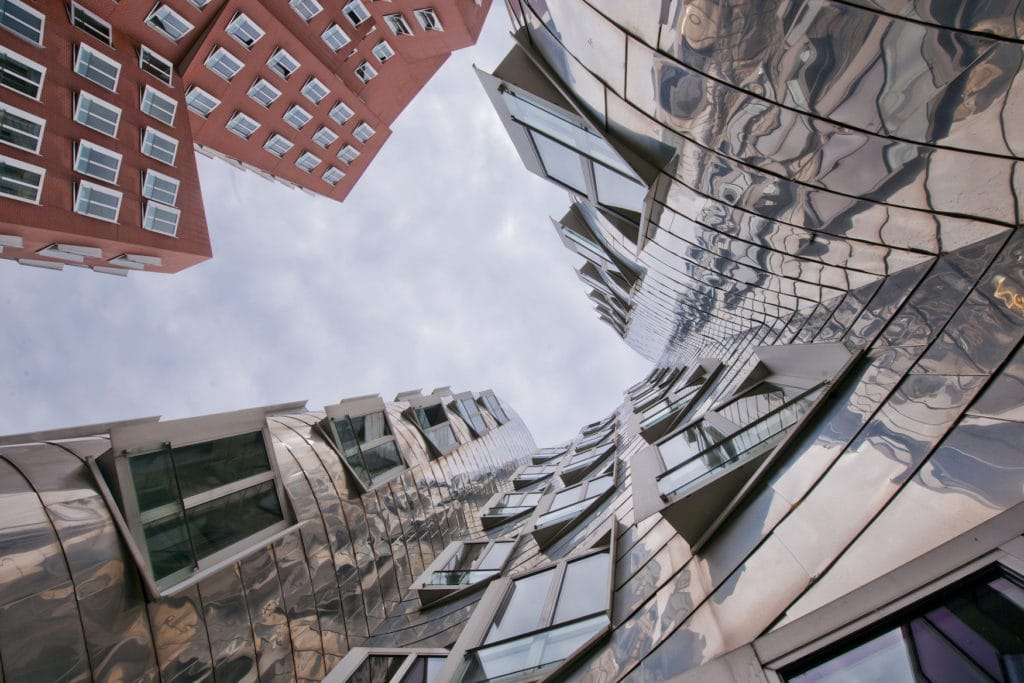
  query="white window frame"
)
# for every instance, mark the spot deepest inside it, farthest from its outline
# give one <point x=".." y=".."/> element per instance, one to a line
<point x="240" y="122"/>
<point x="280" y="55"/>
<point x="194" y="94"/>
<point x="398" y="25"/>
<point x="221" y="55"/>
<point x="155" y="57"/>
<point x="83" y="97"/>
<point x="363" y="132"/>
<point x="149" y="188"/>
<point x="152" y="132"/>
<point x="260" y="86"/>
<point x="365" y="72"/>
<point x="6" y="20"/>
<point x="99" y="189"/>
<point x="6" y="109"/>
<point x="307" y="156"/>
<point x="31" y="168"/>
<point x="243" y="24"/>
<point x="150" y="216"/>
<point x="296" y="109"/>
<point x="334" y="30"/>
<point x="356" y="12"/>
<point x="81" y="145"/>
<point x="151" y="95"/>
<point x="383" y="51"/>
<point x="323" y="132"/>
<point x="306" y="9"/>
<point x="104" y="33"/>
<point x="428" y="19"/>
<point x="332" y="171"/>
<point x="348" y="154"/>
<point x="313" y="87"/>
<point x="269" y="145"/>
<point x="25" y="62"/>
<point x="166" y="11"/>
<point x="344" y="108"/>
<point x="83" y="69"/>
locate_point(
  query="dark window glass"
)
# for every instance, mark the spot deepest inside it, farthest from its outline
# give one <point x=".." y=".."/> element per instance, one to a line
<point x="155" y="484"/>
<point x="583" y="580"/>
<point x="382" y="458"/>
<point x="20" y="77"/>
<point x="168" y="545"/>
<point x="370" y="427"/>
<point x="204" y="466"/>
<point x="377" y="668"/>
<point x="431" y="415"/>
<point x="234" y="517"/>
<point x="522" y="609"/>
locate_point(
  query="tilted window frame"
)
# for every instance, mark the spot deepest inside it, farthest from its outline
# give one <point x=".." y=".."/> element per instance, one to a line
<point x="19" y="165"/>
<point x="164" y="69"/>
<point x="166" y="10"/>
<point x="7" y="109"/>
<point x="489" y="518"/>
<point x="84" y="54"/>
<point x="493" y="405"/>
<point x="362" y="406"/>
<point x="6" y="20"/>
<point x="457" y="405"/>
<point x="37" y="69"/>
<point x="529" y="474"/>
<point x="417" y="403"/>
<point x="432" y="594"/>
<point x="571" y="472"/>
<point x="352" y="663"/>
<point x="91" y="24"/>
<point x="196" y="100"/>
<point x="549" y="533"/>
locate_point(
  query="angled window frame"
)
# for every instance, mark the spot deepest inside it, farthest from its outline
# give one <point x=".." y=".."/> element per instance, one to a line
<point x="306" y="9"/>
<point x="223" y="63"/>
<point x="90" y="23"/>
<point x="158" y="105"/>
<point x="492" y="403"/>
<point x="156" y="65"/>
<point x="84" y="164"/>
<point x="422" y="413"/>
<point x="297" y="117"/>
<point x="341" y="113"/>
<point x="544" y="456"/>
<point x="307" y="161"/>
<point x="334" y="37"/>
<point x="315" y="90"/>
<point x="244" y="30"/>
<point x="20" y="129"/>
<point x="529" y="474"/>
<point x="347" y="154"/>
<point x="465" y="406"/>
<point x="150" y="134"/>
<point x="428" y="19"/>
<point x="356" y="12"/>
<point x="576" y="466"/>
<point x="383" y="51"/>
<point x="263" y="92"/>
<point x="93" y="112"/>
<point x="363" y="132"/>
<point x="551" y="523"/>
<point x="242" y="125"/>
<point x="160" y="218"/>
<point x="278" y="145"/>
<point x="661" y="412"/>
<point x="31" y="85"/>
<point x="10" y="185"/>
<point x="84" y="203"/>
<point x="157" y="20"/>
<point x="365" y="72"/>
<point x="30" y="28"/>
<point x="332" y="176"/>
<point x="86" y="67"/>
<point x="460" y="574"/>
<point x="200" y="102"/>
<point x="151" y="189"/>
<point x="283" y="64"/>
<point x="409" y="664"/>
<point x="506" y="506"/>
<point x="340" y="416"/>
<point x="398" y="24"/>
<point x="325" y="137"/>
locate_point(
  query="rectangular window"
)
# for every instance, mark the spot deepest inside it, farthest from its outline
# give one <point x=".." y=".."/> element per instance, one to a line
<point x="324" y="136"/>
<point x="356" y="12"/>
<point x="97" y="114"/>
<point x="428" y="19"/>
<point x="283" y="64"/>
<point x="332" y="175"/>
<point x="307" y="9"/>
<point x="278" y="145"/>
<point x="98" y="68"/>
<point x="70" y="252"/>
<point x="315" y="91"/>
<point x="159" y="187"/>
<point x="398" y="25"/>
<point x="22" y="20"/>
<point x="341" y="113"/>
<point x="297" y="117"/>
<point x="335" y="37"/>
<point x="471" y="563"/>
<point x="97" y="201"/>
<point x="307" y="162"/>
<point x="363" y="132"/>
<point x="98" y="162"/>
<point x="20" y="181"/>
<point x="223" y="63"/>
<point x="383" y="51"/>
<point x="91" y="24"/>
<point x="159" y="106"/>
<point x="155" y="65"/>
<point x="161" y="218"/>
<point x="159" y="146"/>
<point x="364" y="441"/>
<point x="242" y="125"/>
<point x="200" y="101"/>
<point x="263" y="92"/>
<point x="168" y="23"/>
<point x="244" y="30"/>
<point x="348" y="154"/>
<point x="21" y="74"/>
<point x="20" y="129"/>
<point x="365" y="72"/>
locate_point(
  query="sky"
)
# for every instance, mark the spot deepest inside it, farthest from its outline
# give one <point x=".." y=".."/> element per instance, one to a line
<point x="441" y="268"/>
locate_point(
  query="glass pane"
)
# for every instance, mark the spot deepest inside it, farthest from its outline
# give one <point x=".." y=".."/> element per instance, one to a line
<point x="755" y="404"/>
<point x="442" y="437"/>
<point x="168" y="545"/>
<point x="495" y="558"/>
<point x="584" y="585"/>
<point x="522" y="609"/>
<point x="689" y="443"/>
<point x="543" y="649"/>
<point x="350" y="449"/>
<point x="382" y="458"/>
<point x="883" y="659"/>
<point x="566" y="497"/>
<point x="940" y="661"/>
<point x="205" y="466"/>
<point x="231" y="518"/>
<point x="377" y="668"/>
<point x="370" y="427"/>
<point x="617" y="190"/>
<point x="561" y="163"/>
<point x="154" y="480"/>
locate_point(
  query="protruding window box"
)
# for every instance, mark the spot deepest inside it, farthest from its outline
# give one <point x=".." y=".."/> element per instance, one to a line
<point x="578" y="465"/>
<point x="359" y="430"/>
<point x="465" y="405"/>
<point x="560" y="511"/>
<point x="669" y="409"/>
<point x="504" y="507"/>
<point x="463" y="565"/>
<point x="528" y="475"/>
<point x="546" y="455"/>
<point x="493" y="406"/>
<point x="388" y="665"/>
<point x="427" y="414"/>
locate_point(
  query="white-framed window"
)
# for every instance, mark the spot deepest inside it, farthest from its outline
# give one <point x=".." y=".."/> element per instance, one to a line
<point x="22" y="20"/>
<point x="263" y="92"/>
<point x="155" y="65"/>
<point x="199" y="4"/>
<point x="97" y="67"/>
<point x="244" y="30"/>
<point x="168" y="23"/>
<point x="307" y="162"/>
<point x="20" y="129"/>
<point x="158" y="146"/>
<point x="21" y="74"/>
<point x="363" y="132"/>
<point x="462" y="564"/>
<point x="161" y="218"/>
<point x="159" y="187"/>
<point x="333" y="175"/>
<point x="315" y="91"/>
<point x="365" y="72"/>
<point x="348" y="154"/>
<point x="91" y="24"/>
<point x="398" y="25"/>
<point x="283" y="64"/>
<point x="307" y="9"/>
<point x="278" y="145"/>
<point x="383" y="51"/>
<point x="96" y="114"/>
<point x="158" y="105"/>
<point x="297" y="117"/>
<point x="98" y="162"/>
<point x="428" y="19"/>
<point x="74" y="253"/>
<point x="223" y="63"/>
<point x="97" y="201"/>
<point x="242" y="125"/>
<point x="356" y="12"/>
<point x="200" y="101"/>
<point x="324" y="136"/>
<point x="21" y="181"/>
<point x="335" y="37"/>
<point x="341" y="113"/>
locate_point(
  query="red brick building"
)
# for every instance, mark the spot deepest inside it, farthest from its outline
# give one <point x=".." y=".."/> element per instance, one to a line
<point x="103" y="105"/>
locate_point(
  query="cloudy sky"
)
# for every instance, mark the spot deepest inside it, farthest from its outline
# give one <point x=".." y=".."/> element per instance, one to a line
<point x="441" y="268"/>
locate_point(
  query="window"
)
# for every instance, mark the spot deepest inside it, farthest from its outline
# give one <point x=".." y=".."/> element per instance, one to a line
<point x="365" y="72"/>
<point x="160" y="218"/>
<point x="244" y="30"/>
<point x="168" y="23"/>
<point x="20" y="181"/>
<point x="22" y="20"/>
<point x="307" y="9"/>
<point x="463" y="564"/>
<point x="531" y="474"/>
<point x="20" y="129"/>
<point x="98" y="68"/>
<point x="159" y="187"/>
<point x="307" y="162"/>
<point x="360" y="432"/>
<point x="398" y="25"/>
<point x="335" y="37"/>
<point x="159" y="106"/>
<point x="97" y="201"/>
<point x="277" y="145"/>
<point x="468" y="410"/>
<point x="363" y="132"/>
<point x="315" y="91"/>
<point x="155" y="65"/>
<point x="21" y="74"/>
<point x="428" y="19"/>
<point x="98" y="162"/>
<point x="135" y="261"/>
<point x="505" y="506"/>
<point x="70" y="252"/>
<point x="324" y="136"/>
<point x="200" y="101"/>
<point x="356" y="12"/>
<point x="333" y="175"/>
<point x="223" y="63"/>
<point x="383" y="51"/>
<point x="199" y="4"/>
<point x="297" y="117"/>
<point x="242" y="125"/>
<point x="580" y="464"/>
<point x="390" y="665"/>
<point x="263" y="92"/>
<point x="341" y="113"/>
<point x="428" y="415"/>
<point x="564" y="508"/>
<point x="159" y="146"/>
<point x="545" y="455"/>
<point x="283" y="64"/>
<point x="493" y="406"/>
<point x="90" y="23"/>
<point x="348" y="154"/>
<point x="670" y="401"/>
<point x="97" y="114"/>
